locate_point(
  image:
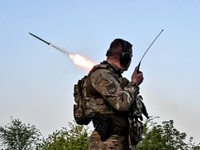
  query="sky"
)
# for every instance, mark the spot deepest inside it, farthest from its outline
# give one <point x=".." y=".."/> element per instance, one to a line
<point x="36" y="80"/>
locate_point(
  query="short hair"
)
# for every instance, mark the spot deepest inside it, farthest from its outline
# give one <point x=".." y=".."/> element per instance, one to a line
<point x="114" y="52"/>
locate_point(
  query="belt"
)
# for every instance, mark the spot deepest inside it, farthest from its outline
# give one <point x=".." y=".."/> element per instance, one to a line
<point x="120" y="131"/>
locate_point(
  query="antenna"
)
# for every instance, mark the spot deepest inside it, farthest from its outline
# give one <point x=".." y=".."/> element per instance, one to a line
<point x="148" y="49"/>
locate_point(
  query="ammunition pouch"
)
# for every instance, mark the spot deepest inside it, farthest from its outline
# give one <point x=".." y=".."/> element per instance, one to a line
<point x="135" y="132"/>
<point x="135" y="126"/>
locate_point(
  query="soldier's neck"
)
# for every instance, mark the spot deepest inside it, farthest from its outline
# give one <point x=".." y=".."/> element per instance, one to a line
<point x="115" y="62"/>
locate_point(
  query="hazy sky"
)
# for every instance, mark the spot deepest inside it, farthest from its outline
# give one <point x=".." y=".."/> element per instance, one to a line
<point x="36" y="80"/>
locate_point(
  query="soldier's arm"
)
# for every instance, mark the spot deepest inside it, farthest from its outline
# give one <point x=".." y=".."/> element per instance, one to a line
<point x="109" y="87"/>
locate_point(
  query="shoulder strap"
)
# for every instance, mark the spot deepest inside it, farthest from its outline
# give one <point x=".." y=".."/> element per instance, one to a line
<point x="100" y="66"/>
<point x="105" y="65"/>
<point x="91" y="92"/>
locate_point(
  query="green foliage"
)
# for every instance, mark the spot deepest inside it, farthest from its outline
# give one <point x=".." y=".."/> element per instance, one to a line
<point x="165" y="137"/>
<point x="19" y="136"/>
<point x="76" y="138"/>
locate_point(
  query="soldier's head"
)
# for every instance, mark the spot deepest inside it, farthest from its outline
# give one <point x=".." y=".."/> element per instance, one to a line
<point x="120" y="53"/>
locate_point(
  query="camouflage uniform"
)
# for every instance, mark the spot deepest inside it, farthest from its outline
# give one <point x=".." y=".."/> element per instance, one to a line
<point x="110" y="95"/>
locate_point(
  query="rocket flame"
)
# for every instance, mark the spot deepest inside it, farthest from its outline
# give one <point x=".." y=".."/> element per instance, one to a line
<point x="82" y="61"/>
<point x="78" y="59"/>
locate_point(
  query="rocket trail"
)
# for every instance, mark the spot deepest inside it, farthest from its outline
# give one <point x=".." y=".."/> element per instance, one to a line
<point x="61" y="50"/>
<point x="77" y="59"/>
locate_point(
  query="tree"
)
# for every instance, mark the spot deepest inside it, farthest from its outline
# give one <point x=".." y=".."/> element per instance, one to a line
<point x="19" y="136"/>
<point x="76" y="138"/>
<point x="165" y="137"/>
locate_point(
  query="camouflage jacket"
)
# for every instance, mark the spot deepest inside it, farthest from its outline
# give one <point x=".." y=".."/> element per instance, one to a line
<point x="110" y="93"/>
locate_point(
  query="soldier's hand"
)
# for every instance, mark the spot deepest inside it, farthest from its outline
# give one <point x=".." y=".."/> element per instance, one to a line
<point x="137" y="77"/>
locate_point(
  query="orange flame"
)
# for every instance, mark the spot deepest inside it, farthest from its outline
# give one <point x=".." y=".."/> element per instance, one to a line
<point x="82" y="61"/>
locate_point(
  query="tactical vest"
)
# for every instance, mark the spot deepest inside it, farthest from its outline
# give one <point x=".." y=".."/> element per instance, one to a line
<point x="88" y="100"/>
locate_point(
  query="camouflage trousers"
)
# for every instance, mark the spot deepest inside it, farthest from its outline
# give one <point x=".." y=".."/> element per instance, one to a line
<point x="114" y="142"/>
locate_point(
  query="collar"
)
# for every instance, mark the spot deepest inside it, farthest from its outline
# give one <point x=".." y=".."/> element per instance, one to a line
<point x="114" y="67"/>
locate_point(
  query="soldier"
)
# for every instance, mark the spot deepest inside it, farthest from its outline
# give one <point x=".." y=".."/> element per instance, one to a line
<point x="111" y="96"/>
